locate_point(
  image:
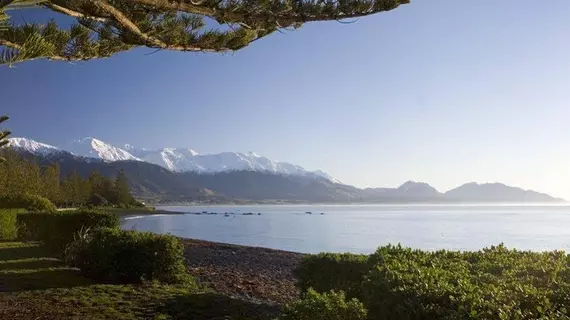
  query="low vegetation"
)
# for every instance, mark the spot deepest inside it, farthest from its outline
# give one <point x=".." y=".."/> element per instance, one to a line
<point x="35" y="285"/>
<point x="128" y="257"/>
<point x="327" y="306"/>
<point x="494" y="283"/>
<point x="26" y="201"/>
<point x="8" y="227"/>
<point x="330" y="271"/>
<point x="57" y="230"/>
<point x="107" y="273"/>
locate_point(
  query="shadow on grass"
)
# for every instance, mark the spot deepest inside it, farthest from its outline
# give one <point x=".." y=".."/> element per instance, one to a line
<point x="40" y="279"/>
<point x="25" y="252"/>
<point x="29" y="264"/>
<point x="212" y="306"/>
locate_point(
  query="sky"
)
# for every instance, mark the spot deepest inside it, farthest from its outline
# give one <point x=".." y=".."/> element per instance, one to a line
<point x="440" y="91"/>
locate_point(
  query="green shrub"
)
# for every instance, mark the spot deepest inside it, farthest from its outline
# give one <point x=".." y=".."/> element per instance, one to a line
<point x="331" y="271"/>
<point x="326" y="306"/>
<point x="8" y="226"/>
<point x="128" y="256"/>
<point x="30" y="202"/>
<point x="493" y="283"/>
<point x="58" y="229"/>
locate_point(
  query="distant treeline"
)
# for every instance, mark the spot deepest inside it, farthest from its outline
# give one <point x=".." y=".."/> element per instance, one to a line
<point x="19" y="175"/>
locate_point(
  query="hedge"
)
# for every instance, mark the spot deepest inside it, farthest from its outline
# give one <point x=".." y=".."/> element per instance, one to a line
<point x="327" y="306"/>
<point x="128" y="256"/>
<point x="29" y="202"/>
<point x="332" y="271"/>
<point x="8" y="225"/>
<point x="58" y="229"/>
<point x="493" y="283"/>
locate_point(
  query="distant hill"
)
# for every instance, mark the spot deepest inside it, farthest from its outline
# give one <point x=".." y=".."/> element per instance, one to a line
<point x="496" y="192"/>
<point x="152" y="182"/>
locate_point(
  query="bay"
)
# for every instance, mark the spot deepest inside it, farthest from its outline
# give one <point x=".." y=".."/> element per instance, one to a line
<point x="362" y="228"/>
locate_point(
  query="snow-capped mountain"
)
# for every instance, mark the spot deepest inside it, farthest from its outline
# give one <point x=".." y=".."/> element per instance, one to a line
<point x="174" y="159"/>
<point x="180" y="159"/>
<point x="32" y="146"/>
<point x="95" y="148"/>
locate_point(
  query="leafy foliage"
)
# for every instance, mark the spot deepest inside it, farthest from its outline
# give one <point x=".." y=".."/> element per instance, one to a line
<point x="128" y="256"/>
<point x="106" y="27"/>
<point x="331" y="271"/>
<point x="29" y="202"/>
<point x="8" y="227"/>
<point x="59" y="229"/>
<point x="494" y="283"/>
<point x="327" y="306"/>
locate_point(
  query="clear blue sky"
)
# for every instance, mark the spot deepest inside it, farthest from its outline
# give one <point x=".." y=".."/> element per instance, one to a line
<point x="441" y="91"/>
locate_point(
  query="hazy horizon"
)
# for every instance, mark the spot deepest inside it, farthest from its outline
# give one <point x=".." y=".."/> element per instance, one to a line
<point x="442" y="92"/>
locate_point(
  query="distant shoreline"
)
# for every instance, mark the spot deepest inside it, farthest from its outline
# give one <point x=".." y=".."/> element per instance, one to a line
<point x="142" y="212"/>
<point x="443" y="204"/>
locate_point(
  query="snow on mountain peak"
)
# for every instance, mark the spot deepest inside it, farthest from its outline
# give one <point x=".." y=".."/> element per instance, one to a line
<point x="327" y="176"/>
<point x="182" y="159"/>
<point x="175" y="159"/>
<point x="130" y="147"/>
<point x="95" y="148"/>
<point x="32" y="146"/>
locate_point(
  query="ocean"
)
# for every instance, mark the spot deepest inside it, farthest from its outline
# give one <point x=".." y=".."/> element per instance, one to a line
<point x="363" y="228"/>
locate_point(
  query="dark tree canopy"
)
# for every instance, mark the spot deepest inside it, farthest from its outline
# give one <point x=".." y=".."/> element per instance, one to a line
<point x="21" y="175"/>
<point x="106" y="27"/>
<point x="4" y="136"/>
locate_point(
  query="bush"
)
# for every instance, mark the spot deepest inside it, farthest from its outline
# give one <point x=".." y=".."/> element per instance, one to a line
<point x="326" y="306"/>
<point x="331" y="271"/>
<point x="128" y="256"/>
<point x="401" y="283"/>
<point x="8" y="229"/>
<point x="29" y="202"/>
<point x="494" y="283"/>
<point x="57" y="230"/>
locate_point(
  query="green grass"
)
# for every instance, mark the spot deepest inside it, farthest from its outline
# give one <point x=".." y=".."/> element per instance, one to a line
<point x="34" y="285"/>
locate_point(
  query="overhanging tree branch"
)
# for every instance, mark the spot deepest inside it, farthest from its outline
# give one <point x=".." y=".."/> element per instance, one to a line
<point x="106" y="27"/>
<point x="72" y="13"/>
<point x="127" y="24"/>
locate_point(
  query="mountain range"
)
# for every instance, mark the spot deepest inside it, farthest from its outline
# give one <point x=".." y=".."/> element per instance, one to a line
<point x="182" y="175"/>
<point x="174" y="159"/>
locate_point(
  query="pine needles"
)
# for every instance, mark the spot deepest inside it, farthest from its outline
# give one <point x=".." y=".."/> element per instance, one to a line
<point x="106" y="27"/>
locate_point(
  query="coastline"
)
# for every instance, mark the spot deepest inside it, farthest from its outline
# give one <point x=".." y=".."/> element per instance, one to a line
<point x="143" y="212"/>
<point x="252" y="273"/>
<point x="365" y="204"/>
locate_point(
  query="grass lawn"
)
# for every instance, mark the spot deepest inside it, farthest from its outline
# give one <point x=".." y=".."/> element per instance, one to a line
<point x="34" y="285"/>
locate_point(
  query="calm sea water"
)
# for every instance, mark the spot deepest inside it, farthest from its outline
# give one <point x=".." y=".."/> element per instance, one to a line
<point x="362" y="228"/>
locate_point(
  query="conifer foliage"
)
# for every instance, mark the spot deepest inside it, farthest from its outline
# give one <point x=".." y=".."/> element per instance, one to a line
<point x="4" y="136"/>
<point x="106" y="27"/>
<point x="23" y="176"/>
